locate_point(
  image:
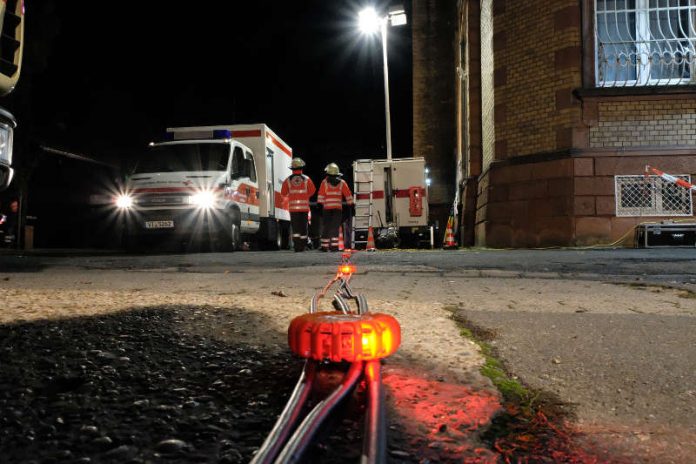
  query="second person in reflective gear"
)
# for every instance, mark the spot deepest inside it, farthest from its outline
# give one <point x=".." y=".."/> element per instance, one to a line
<point x="298" y="189"/>
<point x="332" y="191"/>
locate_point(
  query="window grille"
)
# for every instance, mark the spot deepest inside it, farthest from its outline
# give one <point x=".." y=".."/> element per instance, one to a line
<point x="645" y="42"/>
<point x="651" y="196"/>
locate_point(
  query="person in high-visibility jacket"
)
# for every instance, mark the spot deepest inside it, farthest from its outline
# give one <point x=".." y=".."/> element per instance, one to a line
<point x="332" y="191"/>
<point x="298" y="189"/>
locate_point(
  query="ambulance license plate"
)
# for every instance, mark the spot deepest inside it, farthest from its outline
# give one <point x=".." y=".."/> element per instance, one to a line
<point x="159" y="224"/>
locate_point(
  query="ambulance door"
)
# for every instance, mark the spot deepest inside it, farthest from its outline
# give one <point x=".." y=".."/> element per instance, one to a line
<point x="379" y="210"/>
<point x="238" y="185"/>
<point x="409" y="193"/>
<point x="252" y="193"/>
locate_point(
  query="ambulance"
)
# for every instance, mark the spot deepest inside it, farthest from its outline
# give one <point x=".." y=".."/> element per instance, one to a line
<point x="218" y="183"/>
<point x="391" y="197"/>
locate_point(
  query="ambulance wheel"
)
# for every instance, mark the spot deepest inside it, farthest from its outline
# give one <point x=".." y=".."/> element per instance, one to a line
<point x="235" y="239"/>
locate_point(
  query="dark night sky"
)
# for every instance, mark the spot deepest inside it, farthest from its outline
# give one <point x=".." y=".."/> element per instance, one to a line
<point x="104" y="78"/>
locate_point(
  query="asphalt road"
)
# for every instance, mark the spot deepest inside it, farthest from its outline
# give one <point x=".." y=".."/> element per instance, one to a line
<point x="612" y="333"/>
<point x="661" y="264"/>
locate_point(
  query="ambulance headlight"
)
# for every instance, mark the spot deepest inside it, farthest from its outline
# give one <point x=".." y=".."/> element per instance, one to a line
<point x="204" y="200"/>
<point x="124" y="201"/>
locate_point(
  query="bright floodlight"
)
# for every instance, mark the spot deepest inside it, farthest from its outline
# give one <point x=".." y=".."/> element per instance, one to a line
<point x="397" y="16"/>
<point x="398" y="20"/>
<point x="369" y="21"/>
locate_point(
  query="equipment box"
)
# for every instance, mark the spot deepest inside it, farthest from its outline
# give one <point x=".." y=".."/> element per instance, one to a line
<point x="666" y="235"/>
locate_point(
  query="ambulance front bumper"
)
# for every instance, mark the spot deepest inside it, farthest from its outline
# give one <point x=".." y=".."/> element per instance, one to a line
<point x="188" y="222"/>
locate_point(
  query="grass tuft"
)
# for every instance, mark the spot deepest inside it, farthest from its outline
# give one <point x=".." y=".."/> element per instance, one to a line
<point x="513" y="391"/>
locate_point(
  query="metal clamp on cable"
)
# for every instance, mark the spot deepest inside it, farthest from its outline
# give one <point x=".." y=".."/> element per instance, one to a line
<point x="344" y="293"/>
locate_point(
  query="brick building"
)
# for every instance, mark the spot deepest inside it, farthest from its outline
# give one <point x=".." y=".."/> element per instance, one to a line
<point x="551" y="110"/>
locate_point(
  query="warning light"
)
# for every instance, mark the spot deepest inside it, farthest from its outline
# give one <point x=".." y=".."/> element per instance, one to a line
<point x="339" y="337"/>
<point x="346" y="269"/>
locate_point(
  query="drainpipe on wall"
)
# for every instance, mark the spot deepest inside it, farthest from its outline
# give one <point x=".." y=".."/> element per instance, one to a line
<point x="457" y="196"/>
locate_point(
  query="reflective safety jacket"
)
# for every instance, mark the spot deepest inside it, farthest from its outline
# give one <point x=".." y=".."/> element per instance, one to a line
<point x="298" y="188"/>
<point x="331" y="196"/>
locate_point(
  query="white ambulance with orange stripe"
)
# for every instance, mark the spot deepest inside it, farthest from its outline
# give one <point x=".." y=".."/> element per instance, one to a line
<point x="218" y="183"/>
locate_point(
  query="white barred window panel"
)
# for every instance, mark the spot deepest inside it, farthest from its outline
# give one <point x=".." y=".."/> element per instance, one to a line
<point x="645" y="42"/>
<point x="651" y="196"/>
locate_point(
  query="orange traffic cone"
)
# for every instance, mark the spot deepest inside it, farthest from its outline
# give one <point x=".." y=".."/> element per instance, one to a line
<point x="370" y="240"/>
<point x="341" y="246"/>
<point x="449" y="235"/>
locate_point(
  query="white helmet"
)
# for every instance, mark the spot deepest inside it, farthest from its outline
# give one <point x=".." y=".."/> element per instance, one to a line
<point x="297" y="163"/>
<point x="332" y="169"/>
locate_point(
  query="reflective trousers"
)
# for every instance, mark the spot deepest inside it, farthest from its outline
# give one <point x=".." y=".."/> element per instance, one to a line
<point x="299" y="229"/>
<point x="330" y="221"/>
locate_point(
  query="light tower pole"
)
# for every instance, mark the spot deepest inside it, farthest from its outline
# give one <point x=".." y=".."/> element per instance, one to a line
<point x="371" y="22"/>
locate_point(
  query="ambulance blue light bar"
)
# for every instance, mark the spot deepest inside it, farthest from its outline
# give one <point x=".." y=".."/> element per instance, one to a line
<point x="222" y="134"/>
<point x="196" y="134"/>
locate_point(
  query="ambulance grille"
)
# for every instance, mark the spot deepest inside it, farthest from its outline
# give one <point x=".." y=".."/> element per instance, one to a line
<point x="150" y="200"/>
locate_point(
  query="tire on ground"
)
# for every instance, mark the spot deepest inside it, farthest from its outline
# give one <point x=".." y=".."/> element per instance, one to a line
<point x="231" y="235"/>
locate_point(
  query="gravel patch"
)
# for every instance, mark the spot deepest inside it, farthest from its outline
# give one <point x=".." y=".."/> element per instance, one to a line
<point x="136" y="386"/>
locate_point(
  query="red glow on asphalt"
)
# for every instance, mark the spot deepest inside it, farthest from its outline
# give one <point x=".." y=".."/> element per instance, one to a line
<point x="442" y="418"/>
<point x="443" y="422"/>
<point x="536" y="438"/>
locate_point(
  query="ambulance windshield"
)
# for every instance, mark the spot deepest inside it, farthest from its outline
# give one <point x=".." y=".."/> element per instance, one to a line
<point x="185" y="157"/>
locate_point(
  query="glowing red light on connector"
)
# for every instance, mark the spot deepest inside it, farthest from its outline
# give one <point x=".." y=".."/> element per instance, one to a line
<point x="347" y="269"/>
<point x="339" y="337"/>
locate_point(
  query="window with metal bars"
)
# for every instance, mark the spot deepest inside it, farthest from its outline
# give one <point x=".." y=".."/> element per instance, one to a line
<point x="645" y="42"/>
<point x="651" y="196"/>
